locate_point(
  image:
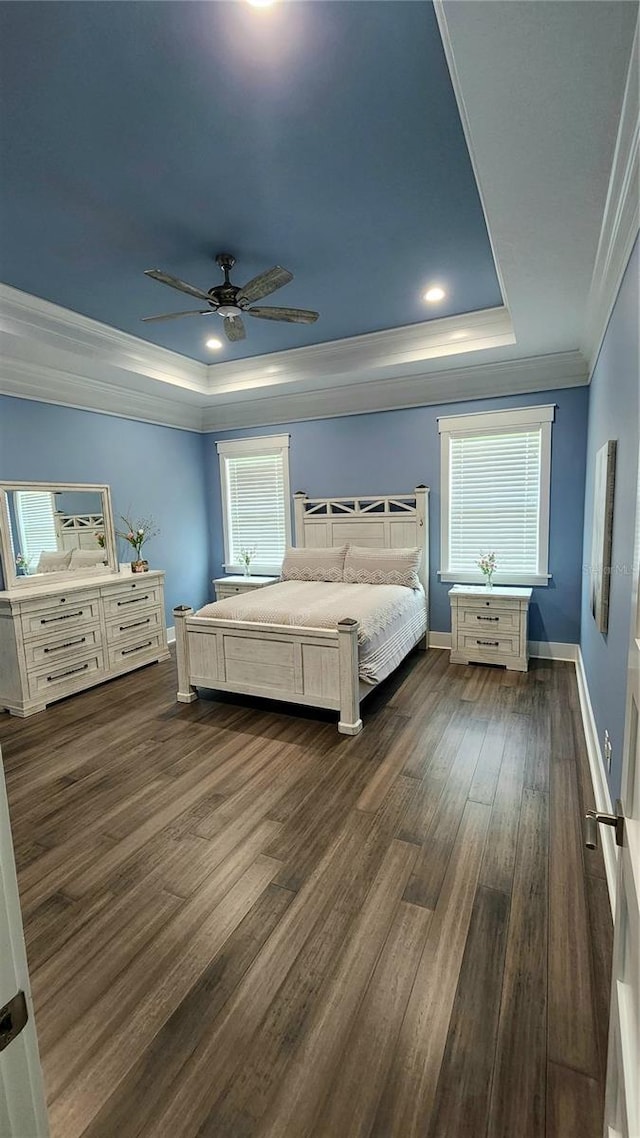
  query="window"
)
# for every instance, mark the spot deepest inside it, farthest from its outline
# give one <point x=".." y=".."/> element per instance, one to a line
<point x="495" y="485"/>
<point x="256" y="512"/>
<point x="36" y="523"/>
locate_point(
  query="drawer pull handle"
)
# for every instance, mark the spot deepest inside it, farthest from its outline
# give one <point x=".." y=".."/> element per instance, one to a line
<point x="67" y="644"/>
<point x="64" y="616"/>
<point x="71" y="672"/>
<point x="138" y="648"/>
<point x="133" y="600"/>
<point x="487" y="618"/>
<point x="489" y="643"/>
<point x="135" y="624"/>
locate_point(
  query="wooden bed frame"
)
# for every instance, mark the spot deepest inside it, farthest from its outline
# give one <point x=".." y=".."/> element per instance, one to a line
<point x="317" y="667"/>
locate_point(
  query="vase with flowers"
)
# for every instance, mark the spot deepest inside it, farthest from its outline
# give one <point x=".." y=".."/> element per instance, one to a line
<point x="487" y="566"/>
<point x="137" y="534"/>
<point x="22" y="565"/>
<point x="246" y="557"/>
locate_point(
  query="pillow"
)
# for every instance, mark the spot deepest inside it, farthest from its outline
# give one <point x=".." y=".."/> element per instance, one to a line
<point x="370" y="565"/>
<point x="314" y="564"/>
<point x="87" y="558"/>
<point x="53" y="562"/>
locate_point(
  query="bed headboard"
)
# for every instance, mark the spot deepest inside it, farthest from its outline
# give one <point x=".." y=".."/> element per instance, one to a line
<point x="391" y="521"/>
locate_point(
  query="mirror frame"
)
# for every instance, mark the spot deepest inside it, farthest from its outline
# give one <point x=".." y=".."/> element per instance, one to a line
<point x="11" y="578"/>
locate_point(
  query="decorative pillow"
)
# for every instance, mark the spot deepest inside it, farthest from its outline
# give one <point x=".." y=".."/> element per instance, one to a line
<point x="86" y="558"/>
<point x="314" y="564"/>
<point x="53" y="562"/>
<point x="370" y="565"/>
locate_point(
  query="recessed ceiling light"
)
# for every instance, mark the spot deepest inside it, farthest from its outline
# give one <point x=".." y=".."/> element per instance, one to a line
<point x="273" y="370"/>
<point x="214" y="344"/>
<point x="434" y="294"/>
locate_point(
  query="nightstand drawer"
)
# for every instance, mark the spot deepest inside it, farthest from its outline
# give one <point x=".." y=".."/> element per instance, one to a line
<point x="223" y="591"/>
<point x="488" y="603"/>
<point x="477" y="645"/>
<point x="489" y="620"/>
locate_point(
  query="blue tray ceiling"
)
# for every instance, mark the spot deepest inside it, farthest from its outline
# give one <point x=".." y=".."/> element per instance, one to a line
<point x="322" y="136"/>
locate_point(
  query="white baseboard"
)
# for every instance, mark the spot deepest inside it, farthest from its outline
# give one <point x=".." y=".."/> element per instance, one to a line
<point x="540" y="649"/>
<point x="599" y="780"/>
<point x="171" y="634"/>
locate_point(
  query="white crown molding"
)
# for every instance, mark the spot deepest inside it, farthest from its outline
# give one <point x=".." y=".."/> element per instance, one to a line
<point x="60" y="330"/>
<point x="45" y="384"/>
<point x="508" y="377"/>
<point x="388" y="353"/>
<point x="621" y="218"/>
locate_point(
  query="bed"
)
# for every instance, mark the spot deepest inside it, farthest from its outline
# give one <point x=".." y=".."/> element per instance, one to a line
<point x="314" y="643"/>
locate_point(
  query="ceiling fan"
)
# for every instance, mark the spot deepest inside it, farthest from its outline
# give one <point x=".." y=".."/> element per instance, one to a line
<point x="231" y="302"/>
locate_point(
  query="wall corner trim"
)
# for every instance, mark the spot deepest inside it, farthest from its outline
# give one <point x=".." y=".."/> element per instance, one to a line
<point x="171" y="634"/>
<point x="598" y="779"/>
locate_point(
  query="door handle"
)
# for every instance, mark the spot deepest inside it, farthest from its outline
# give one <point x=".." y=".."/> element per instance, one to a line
<point x="593" y="817"/>
<point x="13" y="1017"/>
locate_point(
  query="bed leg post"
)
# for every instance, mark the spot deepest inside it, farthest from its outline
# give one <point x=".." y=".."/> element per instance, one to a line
<point x="350" y="722"/>
<point x="186" y="693"/>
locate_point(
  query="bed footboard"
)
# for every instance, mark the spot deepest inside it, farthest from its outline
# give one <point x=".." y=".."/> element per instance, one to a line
<point x="316" y="667"/>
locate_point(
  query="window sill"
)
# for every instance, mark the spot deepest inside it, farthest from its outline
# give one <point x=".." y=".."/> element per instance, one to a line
<point x="516" y="579"/>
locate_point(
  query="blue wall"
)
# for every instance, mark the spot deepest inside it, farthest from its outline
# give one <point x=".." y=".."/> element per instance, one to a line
<point x="390" y="452"/>
<point x="155" y="471"/>
<point x="614" y="413"/>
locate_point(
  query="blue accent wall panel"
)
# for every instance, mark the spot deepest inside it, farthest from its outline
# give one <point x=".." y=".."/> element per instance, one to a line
<point x="614" y="413"/>
<point x="152" y="470"/>
<point x="391" y="452"/>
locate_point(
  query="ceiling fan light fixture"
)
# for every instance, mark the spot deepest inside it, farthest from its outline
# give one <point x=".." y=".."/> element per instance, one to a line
<point x="229" y="310"/>
<point x="214" y="344"/>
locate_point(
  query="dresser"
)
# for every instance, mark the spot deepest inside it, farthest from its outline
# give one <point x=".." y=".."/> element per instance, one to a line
<point x="60" y="638"/>
<point x="231" y="586"/>
<point x="490" y="626"/>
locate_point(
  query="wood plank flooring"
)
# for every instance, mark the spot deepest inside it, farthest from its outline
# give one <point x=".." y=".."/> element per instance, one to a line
<point x="241" y="924"/>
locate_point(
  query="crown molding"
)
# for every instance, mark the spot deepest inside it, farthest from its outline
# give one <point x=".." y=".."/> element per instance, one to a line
<point x="621" y="218"/>
<point x="46" y="384"/>
<point x="60" y="330"/>
<point x="509" y="377"/>
<point x="389" y="353"/>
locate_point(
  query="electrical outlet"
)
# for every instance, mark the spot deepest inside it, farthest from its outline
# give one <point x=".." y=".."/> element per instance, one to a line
<point x="607" y="749"/>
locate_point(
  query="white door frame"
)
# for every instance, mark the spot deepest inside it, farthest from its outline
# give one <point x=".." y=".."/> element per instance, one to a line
<point x="23" y="1112"/>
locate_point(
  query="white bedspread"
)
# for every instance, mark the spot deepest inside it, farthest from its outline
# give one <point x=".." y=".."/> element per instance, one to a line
<point x="391" y="618"/>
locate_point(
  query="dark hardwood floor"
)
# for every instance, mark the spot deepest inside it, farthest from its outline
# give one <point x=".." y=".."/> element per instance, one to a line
<point x="241" y="923"/>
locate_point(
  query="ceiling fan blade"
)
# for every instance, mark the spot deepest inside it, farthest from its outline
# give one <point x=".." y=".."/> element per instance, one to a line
<point x="292" y="315"/>
<point x="234" y="328"/>
<point x="264" y="283"/>
<point x="174" y="282"/>
<point x="175" y="315"/>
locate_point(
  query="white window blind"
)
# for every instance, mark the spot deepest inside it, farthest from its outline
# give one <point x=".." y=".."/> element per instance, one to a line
<point x="255" y="496"/>
<point x="495" y="500"/>
<point x="36" y="522"/>
<point x="495" y="494"/>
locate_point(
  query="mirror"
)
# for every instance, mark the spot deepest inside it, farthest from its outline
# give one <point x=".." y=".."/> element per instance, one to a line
<point x="55" y="530"/>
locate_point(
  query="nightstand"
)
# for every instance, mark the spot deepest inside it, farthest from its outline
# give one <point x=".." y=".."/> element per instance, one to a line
<point x="231" y="586"/>
<point x="489" y="626"/>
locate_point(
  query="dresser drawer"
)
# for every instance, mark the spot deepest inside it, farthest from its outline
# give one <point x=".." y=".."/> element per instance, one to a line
<point x="491" y="620"/>
<point x="486" y="645"/>
<point x="130" y="598"/>
<point x="135" y="651"/>
<point x="67" y="645"/>
<point x="66" y="613"/>
<point x="134" y="625"/>
<point x="63" y="678"/>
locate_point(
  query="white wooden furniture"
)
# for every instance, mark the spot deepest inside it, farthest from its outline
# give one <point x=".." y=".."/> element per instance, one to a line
<point x="316" y="667"/>
<point x="57" y="639"/>
<point x="489" y="626"/>
<point x="231" y="586"/>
